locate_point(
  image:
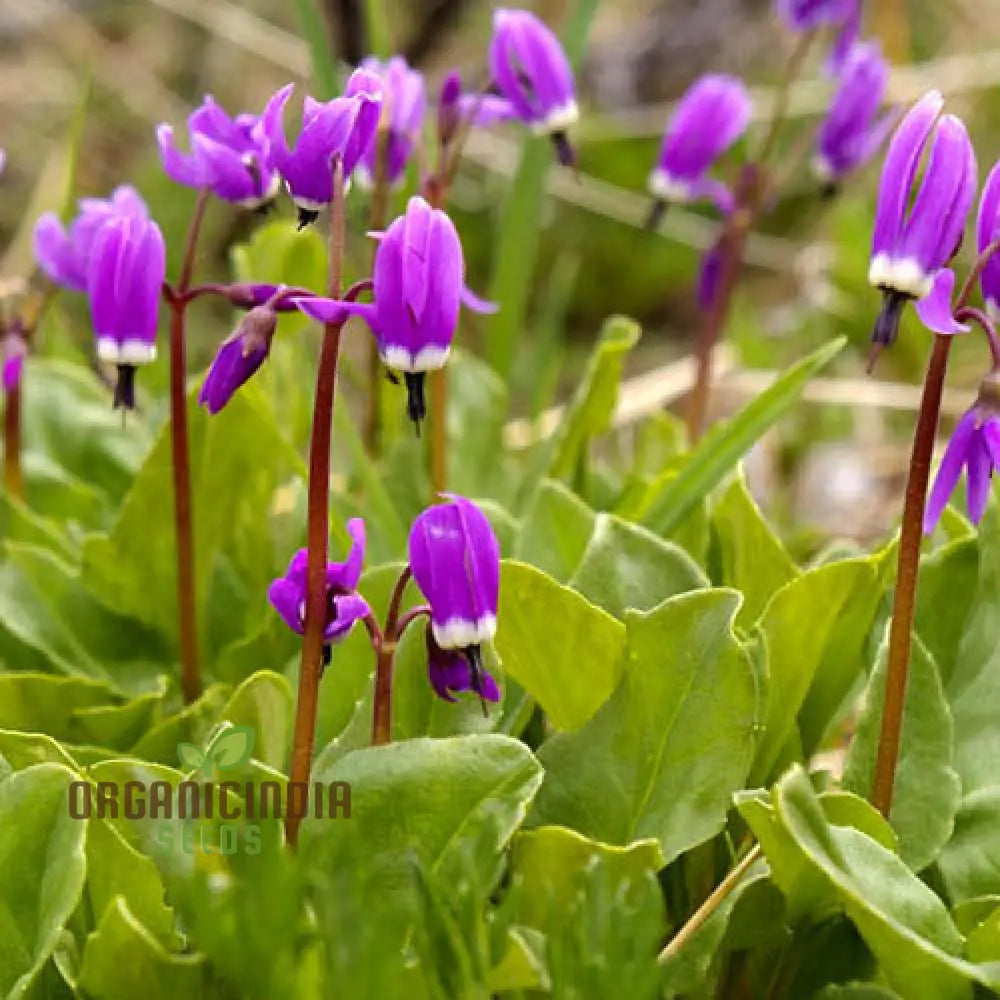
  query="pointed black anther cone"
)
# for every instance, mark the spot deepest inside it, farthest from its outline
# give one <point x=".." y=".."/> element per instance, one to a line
<point x="475" y="657"/>
<point x="829" y="190"/>
<point x="886" y="327"/>
<point x="307" y="216"/>
<point x="124" y="397"/>
<point x="656" y="213"/>
<point x="416" y="404"/>
<point x="564" y="151"/>
<point x="327" y="654"/>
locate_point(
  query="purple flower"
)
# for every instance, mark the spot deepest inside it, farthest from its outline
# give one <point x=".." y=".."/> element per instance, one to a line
<point x="13" y="349"/>
<point x="344" y="604"/>
<point x="342" y="128"/>
<point x="419" y="284"/>
<point x="533" y="75"/>
<point x="404" y="103"/>
<point x="806" y="15"/>
<point x="239" y="357"/>
<point x="451" y="671"/>
<point x="228" y="155"/>
<point x="918" y="228"/>
<point x="124" y="282"/>
<point x="455" y="559"/>
<point x="64" y="254"/>
<point x="850" y="133"/>
<point x="975" y="445"/>
<point x="710" y="117"/>
<point x="987" y="233"/>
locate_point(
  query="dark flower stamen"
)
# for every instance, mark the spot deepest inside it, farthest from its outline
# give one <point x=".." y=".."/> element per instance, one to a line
<point x="124" y="396"/>
<point x="416" y="404"/>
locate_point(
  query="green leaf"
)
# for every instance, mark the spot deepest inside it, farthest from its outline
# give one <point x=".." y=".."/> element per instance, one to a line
<point x="819" y="620"/>
<point x="901" y="920"/>
<point x="191" y="724"/>
<point x="548" y="861"/>
<point x="42" y="858"/>
<point x="927" y="789"/>
<point x="970" y="861"/>
<point x="123" y="960"/>
<point x="522" y="966"/>
<point x="725" y="444"/>
<point x="21" y="750"/>
<point x="563" y="650"/>
<point x="261" y="710"/>
<point x="555" y="530"/>
<point x="752" y="559"/>
<point x="590" y="410"/>
<point x="421" y="798"/>
<point x="664" y="756"/>
<point x="856" y="991"/>
<point x="625" y="566"/>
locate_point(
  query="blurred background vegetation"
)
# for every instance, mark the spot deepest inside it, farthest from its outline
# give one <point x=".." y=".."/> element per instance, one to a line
<point x="101" y="74"/>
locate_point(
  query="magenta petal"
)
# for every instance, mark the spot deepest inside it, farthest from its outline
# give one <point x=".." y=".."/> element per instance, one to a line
<point x="951" y="468"/>
<point x="322" y="310"/>
<point x="991" y="435"/>
<point x="979" y="469"/>
<point x="934" y="309"/>
<point x="472" y="301"/>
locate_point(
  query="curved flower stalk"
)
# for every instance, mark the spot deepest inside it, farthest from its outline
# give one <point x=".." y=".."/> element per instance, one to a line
<point x="710" y="117"/>
<point x="852" y="132"/>
<point x="341" y="129"/>
<point x="919" y="226"/>
<point x="419" y="285"/>
<point x="975" y="446"/>
<point x="229" y="156"/>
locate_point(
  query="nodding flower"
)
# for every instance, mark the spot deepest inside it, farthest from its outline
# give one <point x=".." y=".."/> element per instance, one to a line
<point x="341" y="129"/>
<point x="919" y="224"/>
<point x="418" y="286"/>
<point x="230" y="156"/>
<point x="344" y="605"/>
<point x="975" y="446"/>
<point x="404" y="104"/>
<point x="455" y="560"/>
<point x="239" y="357"/>
<point x="852" y="132"/>
<point x="124" y="284"/>
<point x="534" y="77"/>
<point x="709" y="118"/>
<point x="64" y="253"/>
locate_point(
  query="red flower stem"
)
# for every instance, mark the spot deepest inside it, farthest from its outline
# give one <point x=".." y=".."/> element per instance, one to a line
<point x="910" y="537"/>
<point x="12" y="440"/>
<point x="318" y="507"/>
<point x="385" y="654"/>
<point x="181" y="459"/>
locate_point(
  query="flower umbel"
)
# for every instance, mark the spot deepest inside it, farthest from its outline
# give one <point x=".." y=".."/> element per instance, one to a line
<point x="974" y="446"/>
<point x="344" y="604"/>
<point x="455" y="559"/>
<point x="228" y="155"/>
<point x="710" y="117"/>
<point x="918" y="227"/>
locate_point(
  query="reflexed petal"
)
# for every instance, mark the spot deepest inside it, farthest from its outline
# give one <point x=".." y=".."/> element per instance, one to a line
<point x="900" y="169"/>
<point x="935" y="310"/>
<point x="351" y="608"/>
<point x="286" y="598"/>
<point x="347" y="573"/>
<point x="181" y="168"/>
<point x="486" y="109"/>
<point x="477" y="304"/>
<point x="978" y="469"/>
<point x="955" y="456"/>
<point x="54" y="253"/>
<point x="938" y="216"/>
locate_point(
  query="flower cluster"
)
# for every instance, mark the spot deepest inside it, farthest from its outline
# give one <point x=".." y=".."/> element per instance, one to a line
<point x="455" y="561"/>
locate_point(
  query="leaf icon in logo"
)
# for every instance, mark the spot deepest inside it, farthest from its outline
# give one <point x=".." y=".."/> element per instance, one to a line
<point x="190" y="756"/>
<point x="232" y="747"/>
